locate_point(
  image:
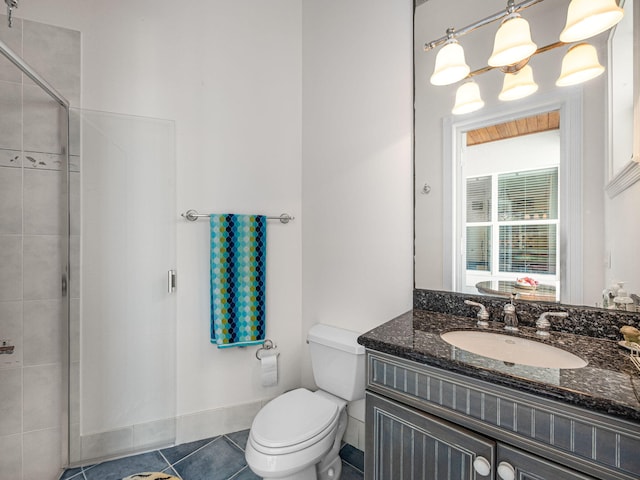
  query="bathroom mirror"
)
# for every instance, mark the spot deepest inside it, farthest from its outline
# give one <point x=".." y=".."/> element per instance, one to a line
<point x="595" y="230"/>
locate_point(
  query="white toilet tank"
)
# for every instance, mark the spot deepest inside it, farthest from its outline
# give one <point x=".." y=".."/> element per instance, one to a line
<point x="338" y="361"/>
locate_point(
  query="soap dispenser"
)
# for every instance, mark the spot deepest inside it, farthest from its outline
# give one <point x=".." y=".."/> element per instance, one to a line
<point x="622" y="300"/>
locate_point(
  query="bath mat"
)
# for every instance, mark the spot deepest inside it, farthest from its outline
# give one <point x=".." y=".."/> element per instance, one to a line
<point x="238" y="258"/>
<point x="151" y="476"/>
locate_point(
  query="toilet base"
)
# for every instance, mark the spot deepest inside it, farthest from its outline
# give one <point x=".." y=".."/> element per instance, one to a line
<point x="308" y="473"/>
<point x="332" y="471"/>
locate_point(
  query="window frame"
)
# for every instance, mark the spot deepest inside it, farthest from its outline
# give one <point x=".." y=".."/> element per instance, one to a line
<point x="495" y="224"/>
<point x="454" y="132"/>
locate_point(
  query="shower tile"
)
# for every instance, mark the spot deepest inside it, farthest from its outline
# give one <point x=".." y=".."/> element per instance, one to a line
<point x="74" y="394"/>
<point x="54" y="53"/>
<point x="74" y="330"/>
<point x="106" y="444"/>
<point x="11" y="271"/>
<point x="74" y="265"/>
<point x="11" y="118"/>
<point x="43" y="202"/>
<point x="42" y="121"/>
<point x="42" y="332"/>
<point x="206" y="424"/>
<point x="75" y="134"/>
<point x="10" y="158"/>
<point x="11" y="401"/>
<point x="117" y="469"/>
<point x="11" y="330"/>
<point x="217" y="461"/>
<point x="43" y="161"/>
<point x="42" y="267"/>
<point x="74" y="202"/>
<point x="74" y="163"/>
<point x="42" y="454"/>
<point x="150" y="434"/>
<point x="10" y="200"/>
<point x="13" y="38"/>
<point x="11" y="458"/>
<point x="75" y="453"/>
<point x="42" y="393"/>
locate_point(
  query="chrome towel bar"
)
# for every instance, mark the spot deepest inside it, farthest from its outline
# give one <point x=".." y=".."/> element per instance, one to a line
<point x="193" y="215"/>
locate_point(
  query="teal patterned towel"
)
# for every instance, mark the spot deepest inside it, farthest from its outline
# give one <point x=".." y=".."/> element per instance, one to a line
<point x="238" y="267"/>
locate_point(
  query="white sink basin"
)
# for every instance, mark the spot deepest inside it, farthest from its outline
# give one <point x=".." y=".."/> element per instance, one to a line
<point x="512" y="349"/>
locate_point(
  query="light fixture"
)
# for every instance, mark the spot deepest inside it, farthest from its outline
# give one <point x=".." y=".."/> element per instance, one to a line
<point x="586" y="18"/>
<point x="450" y="64"/>
<point x="579" y="65"/>
<point x="512" y="42"/>
<point x="513" y="48"/>
<point x="518" y="85"/>
<point x="467" y="98"/>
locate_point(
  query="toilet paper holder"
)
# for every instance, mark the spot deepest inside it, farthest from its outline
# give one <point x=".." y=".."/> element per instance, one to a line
<point x="267" y="345"/>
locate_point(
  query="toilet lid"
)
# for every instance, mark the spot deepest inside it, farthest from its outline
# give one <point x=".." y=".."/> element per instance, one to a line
<point x="292" y="418"/>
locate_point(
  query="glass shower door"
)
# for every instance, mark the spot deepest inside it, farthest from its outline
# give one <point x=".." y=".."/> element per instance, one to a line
<point x="123" y="365"/>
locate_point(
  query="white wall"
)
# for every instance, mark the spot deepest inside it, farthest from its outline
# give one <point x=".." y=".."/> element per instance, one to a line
<point x="231" y="74"/>
<point x="357" y="142"/>
<point x="433" y="104"/>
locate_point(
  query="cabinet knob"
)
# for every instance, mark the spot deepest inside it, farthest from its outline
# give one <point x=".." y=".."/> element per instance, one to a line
<point x="506" y="471"/>
<point x="482" y="466"/>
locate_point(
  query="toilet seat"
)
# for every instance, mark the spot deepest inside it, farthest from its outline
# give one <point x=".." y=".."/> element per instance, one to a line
<point x="293" y="421"/>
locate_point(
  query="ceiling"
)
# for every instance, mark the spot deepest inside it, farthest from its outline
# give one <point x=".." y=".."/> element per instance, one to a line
<point x="516" y="128"/>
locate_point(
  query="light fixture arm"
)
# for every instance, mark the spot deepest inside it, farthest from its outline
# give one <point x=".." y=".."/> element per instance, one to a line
<point x="512" y="7"/>
<point x="518" y="66"/>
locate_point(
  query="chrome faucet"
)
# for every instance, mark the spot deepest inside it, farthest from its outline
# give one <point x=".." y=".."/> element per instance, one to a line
<point x="483" y="315"/>
<point x="510" y="316"/>
<point x="543" y="323"/>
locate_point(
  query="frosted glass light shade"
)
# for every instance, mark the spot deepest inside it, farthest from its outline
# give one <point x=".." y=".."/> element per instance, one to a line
<point x="512" y="42"/>
<point x="450" y="64"/>
<point x="518" y="85"/>
<point x="467" y="99"/>
<point x="579" y="65"/>
<point x="586" y="18"/>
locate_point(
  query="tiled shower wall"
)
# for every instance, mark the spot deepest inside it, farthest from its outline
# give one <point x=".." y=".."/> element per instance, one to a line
<point x="31" y="248"/>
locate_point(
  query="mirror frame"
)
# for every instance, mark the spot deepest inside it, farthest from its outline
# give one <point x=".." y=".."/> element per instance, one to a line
<point x="570" y="105"/>
<point x="630" y="173"/>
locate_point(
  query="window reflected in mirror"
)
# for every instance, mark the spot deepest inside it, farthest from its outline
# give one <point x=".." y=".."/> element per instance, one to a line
<point x="510" y="222"/>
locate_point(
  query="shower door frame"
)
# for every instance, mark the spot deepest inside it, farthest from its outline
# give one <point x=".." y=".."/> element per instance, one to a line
<point x="26" y="69"/>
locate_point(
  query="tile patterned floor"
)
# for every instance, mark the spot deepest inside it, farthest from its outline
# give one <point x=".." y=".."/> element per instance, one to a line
<point x="218" y="458"/>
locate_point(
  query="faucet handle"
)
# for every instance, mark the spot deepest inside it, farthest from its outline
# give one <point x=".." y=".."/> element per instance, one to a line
<point x="544" y="324"/>
<point x="483" y="315"/>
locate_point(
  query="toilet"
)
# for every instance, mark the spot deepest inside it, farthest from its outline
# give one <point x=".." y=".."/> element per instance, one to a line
<point x="298" y="434"/>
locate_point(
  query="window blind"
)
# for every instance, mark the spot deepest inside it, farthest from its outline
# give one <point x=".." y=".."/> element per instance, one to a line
<point x="479" y="199"/>
<point x="528" y="249"/>
<point x="531" y="195"/>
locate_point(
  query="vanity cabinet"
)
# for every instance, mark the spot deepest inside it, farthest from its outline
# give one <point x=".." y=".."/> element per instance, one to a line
<point x="409" y="444"/>
<point x="424" y="422"/>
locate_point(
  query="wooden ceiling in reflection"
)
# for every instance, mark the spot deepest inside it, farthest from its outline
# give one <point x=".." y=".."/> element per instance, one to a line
<point x="515" y="128"/>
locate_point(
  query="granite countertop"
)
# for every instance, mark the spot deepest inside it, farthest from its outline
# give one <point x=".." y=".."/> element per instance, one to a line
<point x="609" y="384"/>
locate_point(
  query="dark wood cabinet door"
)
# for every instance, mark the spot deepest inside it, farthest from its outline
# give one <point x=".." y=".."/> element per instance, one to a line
<point x="405" y="444"/>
